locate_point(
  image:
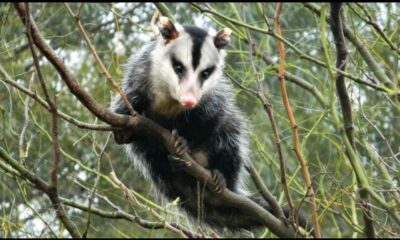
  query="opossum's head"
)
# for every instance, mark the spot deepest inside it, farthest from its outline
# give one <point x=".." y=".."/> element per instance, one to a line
<point x="187" y="63"/>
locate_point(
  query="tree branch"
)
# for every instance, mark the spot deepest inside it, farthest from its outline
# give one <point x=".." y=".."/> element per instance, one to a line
<point x="285" y="99"/>
<point x="164" y="10"/>
<point x="336" y="24"/>
<point x="22" y="151"/>
<point x="120" y="214"/>
<point x="268" y="109"/>
<point x="52" y="190"/>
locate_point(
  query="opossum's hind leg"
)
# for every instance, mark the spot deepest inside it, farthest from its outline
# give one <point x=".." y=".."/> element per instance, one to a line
<point x="180" y="148"/>
<point x="219" y="181"/>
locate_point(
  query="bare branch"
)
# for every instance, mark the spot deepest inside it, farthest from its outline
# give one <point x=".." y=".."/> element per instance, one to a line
<point x="268" y="109"/>
<point x="336" y="23"/>
<point x="120" y="214"/>
<point x="285" y="99"/>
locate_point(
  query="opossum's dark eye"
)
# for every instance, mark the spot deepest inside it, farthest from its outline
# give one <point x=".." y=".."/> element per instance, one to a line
<point x="206" y="73"/>
<point x="178" y="67"/>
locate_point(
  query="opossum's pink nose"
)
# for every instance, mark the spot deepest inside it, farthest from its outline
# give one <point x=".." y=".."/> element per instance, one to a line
<point x="188" y="101"/>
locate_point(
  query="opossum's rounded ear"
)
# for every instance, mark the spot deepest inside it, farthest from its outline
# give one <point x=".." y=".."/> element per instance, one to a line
<point x="222" y="38"/>
<point x="168" y="29"/>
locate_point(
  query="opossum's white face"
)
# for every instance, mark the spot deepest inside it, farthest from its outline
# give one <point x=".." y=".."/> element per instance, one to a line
<point x="187" y="63"/>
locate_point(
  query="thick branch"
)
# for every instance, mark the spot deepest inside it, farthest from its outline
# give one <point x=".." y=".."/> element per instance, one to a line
<point x="39" y="183"/>
<point x="341" y="55"/>
<point x="265" y="193"/>
<point x="345" y="103"/>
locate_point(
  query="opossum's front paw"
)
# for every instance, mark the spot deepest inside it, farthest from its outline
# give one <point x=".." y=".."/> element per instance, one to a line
<point x="218" y="180"/>
<point x="180" y="148"/>
<point x="180" y="144"/>
<point x="177" y="164"/>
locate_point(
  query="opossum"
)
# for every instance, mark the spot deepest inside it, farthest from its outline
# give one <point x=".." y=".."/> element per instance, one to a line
<point x="178" y="82"/>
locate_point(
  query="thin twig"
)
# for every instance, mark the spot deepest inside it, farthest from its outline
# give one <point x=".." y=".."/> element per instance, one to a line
<point x="25" y="200"/>
<point x="120" y="214"/>
<point x="268" y="109"/>
<point x="369" y="20"/>
<point x="131" y="198"/>
<point x="293" y="78"/>
<point x="99" y="63"/>
<point x="93" y="190"/>
<point x="285" y="99"/>
<point x="22" y="152"/>
<point x="7" y="79"/>
<point x="55" y="143"/>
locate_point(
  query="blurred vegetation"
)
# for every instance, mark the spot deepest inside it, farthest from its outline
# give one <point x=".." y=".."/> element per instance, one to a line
<point x="117" y="30"/>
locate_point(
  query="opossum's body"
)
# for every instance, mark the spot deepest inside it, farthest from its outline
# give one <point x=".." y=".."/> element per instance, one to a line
<point x="196" y="101"/>
<point x="214" y="134"/>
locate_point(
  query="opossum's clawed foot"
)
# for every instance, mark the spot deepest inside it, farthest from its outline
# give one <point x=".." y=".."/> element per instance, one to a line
<point x="180" y="144"/>
<point x="123" y="136"/>
<point x="219" y="181"/>
<point x="177" y="164"/>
